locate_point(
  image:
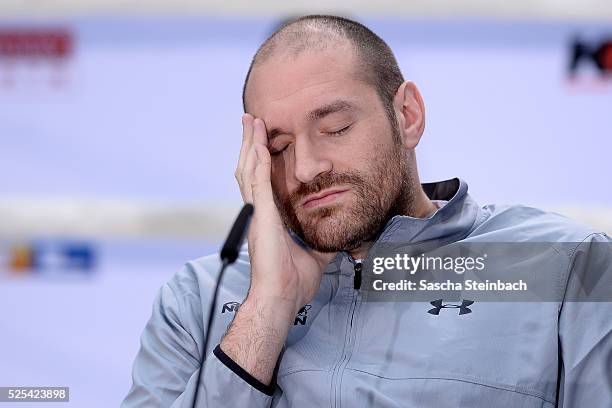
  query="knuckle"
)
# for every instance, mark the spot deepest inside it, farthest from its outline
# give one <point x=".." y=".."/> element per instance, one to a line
<point x="242" y="174"/>
<point x="255" y="186"/>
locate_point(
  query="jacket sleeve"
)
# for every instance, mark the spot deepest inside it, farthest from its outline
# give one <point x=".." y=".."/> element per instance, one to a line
<point x="585" y="327"/>
<point x="166" y="367"/>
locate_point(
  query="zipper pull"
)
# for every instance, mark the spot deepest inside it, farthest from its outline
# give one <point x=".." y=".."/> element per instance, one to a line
<point x="357" y="277"/>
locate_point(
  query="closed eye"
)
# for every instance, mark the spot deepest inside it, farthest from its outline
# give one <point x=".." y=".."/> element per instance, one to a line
<point x="339" y="132"/>
<point x="276" y="152"/>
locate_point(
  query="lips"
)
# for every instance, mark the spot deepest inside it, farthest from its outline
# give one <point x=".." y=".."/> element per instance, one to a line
<point x="323" y="197"/>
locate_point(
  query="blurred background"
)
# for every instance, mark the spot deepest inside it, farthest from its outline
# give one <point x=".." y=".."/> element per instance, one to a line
<point x="120" y="131"/>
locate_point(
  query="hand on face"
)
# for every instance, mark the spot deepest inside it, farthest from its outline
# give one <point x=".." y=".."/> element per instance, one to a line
<point x="279" y="267"/>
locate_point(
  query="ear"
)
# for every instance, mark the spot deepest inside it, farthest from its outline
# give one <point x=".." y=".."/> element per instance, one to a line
<point x="410" y="110"/>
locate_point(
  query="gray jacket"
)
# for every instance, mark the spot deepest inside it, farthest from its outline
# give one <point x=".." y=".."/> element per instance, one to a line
<point x="343" y="351"/>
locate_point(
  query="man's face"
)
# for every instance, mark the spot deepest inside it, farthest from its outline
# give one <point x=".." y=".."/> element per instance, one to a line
<point x="338" y="167"/>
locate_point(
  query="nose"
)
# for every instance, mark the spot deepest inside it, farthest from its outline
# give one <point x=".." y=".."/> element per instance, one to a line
<point x="309" y="160"/>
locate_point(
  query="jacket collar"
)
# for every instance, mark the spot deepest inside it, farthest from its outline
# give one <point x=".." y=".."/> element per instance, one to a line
<point x="453" y="222"/>
<point x="450" y="223"/>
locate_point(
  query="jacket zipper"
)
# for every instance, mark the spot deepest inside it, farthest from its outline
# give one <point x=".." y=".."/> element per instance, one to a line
<point x="357" y="278"/>
<point x="338" y="371"/>
<point x="348" y="345"/>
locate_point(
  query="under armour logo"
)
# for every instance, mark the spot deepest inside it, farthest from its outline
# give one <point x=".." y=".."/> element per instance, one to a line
<point x="463" y="307"/>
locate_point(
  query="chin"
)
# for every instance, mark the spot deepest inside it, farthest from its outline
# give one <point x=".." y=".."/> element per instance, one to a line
<point x="330" y="232"/>
<point x="323" y="218"/>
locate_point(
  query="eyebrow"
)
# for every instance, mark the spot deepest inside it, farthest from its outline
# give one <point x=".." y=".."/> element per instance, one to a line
<point x="319" y="113"/>
<point x="333" y="107"/>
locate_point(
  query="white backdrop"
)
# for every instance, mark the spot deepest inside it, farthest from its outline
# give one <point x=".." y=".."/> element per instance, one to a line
<point x="149" y="109"/>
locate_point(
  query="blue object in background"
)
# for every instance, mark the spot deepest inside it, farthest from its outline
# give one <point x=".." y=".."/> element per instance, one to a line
<point x="78" y="256"/>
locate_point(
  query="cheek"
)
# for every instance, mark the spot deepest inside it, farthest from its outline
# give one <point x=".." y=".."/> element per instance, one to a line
<point x="364" y="143"/>
<point x="377" y="143"/>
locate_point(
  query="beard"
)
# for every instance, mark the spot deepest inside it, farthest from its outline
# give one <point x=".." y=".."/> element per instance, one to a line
<point x="381" y="192"/>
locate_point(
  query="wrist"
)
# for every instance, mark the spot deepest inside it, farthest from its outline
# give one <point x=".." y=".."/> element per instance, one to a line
<point x="255" y="338"/>
<point x="274" y="302"/>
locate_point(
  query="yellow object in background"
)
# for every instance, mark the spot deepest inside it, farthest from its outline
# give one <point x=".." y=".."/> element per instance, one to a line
<point x="22" y="258"/>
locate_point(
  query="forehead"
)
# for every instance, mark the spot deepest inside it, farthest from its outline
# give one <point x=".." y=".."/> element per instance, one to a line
<point x="286" y="87"/>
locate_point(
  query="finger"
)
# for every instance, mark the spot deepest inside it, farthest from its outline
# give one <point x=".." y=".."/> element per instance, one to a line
<point x="261" y="185"/>
<point x="247" y="140"/>
<point x="250" y="164"/>
<point x="247" y="175"/>
<point x="260" y="135"/>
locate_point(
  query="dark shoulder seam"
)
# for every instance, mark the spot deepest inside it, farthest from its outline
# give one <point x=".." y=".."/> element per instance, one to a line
<point x="240" y="372"/>
<point x="570" y="265"/>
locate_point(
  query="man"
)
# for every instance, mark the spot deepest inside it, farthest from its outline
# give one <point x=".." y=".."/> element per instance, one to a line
<point x="328" y="160"/>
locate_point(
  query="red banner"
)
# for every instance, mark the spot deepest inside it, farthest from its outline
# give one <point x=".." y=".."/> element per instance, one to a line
<point x="20" y="43"/>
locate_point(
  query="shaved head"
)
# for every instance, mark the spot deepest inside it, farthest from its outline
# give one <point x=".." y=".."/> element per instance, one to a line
<point x="375" y="63"/>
